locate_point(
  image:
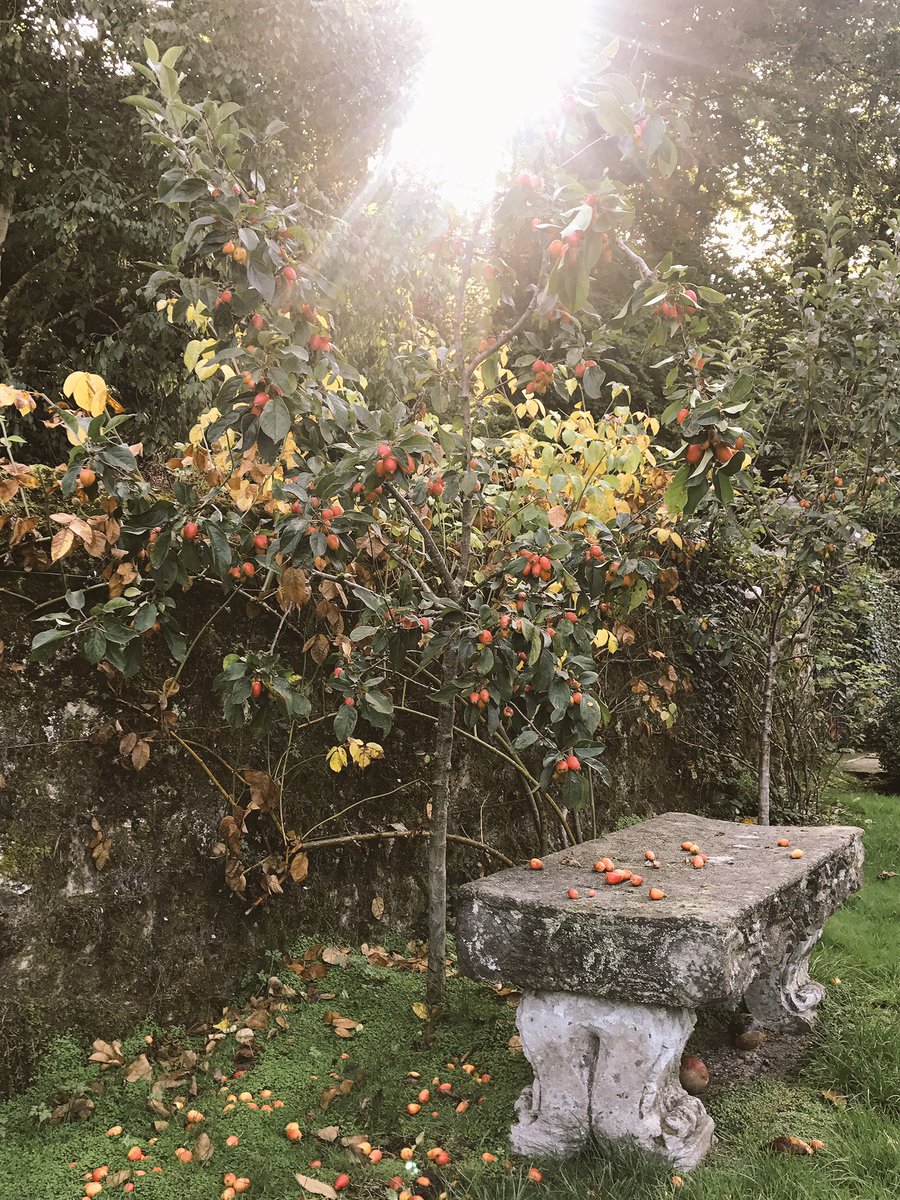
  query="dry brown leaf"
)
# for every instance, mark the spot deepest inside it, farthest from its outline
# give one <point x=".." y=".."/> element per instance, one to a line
<point x="315" y="1186"/>
<point x="139" y="1069"/>
<point x="293" y="590"/>
<point x="336" y="956"/>
<point x="264" y="791"/>
<point x="117" y="1178"/>
<point x="204" y="1148"/>
<point x="421" y="1010"/>
<point x="140" y="755"/>
<point x="836" y="1098"/>
<point x="378" y="907"/>
<point x="328" y="1134"/>
<point x="557" y="517"/>
<point x="61" y="545"/>
<point x="299" y="867"/>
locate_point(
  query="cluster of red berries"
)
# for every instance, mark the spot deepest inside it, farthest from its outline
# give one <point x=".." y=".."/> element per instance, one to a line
<point x="673" y="308"/>
<point x="583" y="366"/>
<point x="320" y="341"/>
<point x="386" y="463"/>
<point x="538" y="566"/>
<point x="480" y="699"/>
<point x="543" y="377"/>
<point x="570" y="763"/>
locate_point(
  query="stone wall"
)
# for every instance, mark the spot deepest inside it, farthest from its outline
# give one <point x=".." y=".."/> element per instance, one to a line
<point x="156" y="934"/>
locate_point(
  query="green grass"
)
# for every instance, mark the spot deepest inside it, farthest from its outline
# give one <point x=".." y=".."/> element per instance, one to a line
<point x="856" y="1056"/>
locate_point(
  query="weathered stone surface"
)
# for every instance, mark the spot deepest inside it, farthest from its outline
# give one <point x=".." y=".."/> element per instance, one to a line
<point x="751" y="912"/>
<point x="609" y="1070"/>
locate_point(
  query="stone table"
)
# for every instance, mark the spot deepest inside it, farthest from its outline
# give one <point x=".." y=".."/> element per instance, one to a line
<point x="611" y="983"/>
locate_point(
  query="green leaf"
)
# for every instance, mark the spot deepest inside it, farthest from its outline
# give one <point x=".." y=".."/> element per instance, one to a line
<point x="262" y="281"/>
<point x="379" y="702"/>
<point x="218" y="544"/>
<point x="275" y="420"/>
<point x="94" y="645"/>
<point x="344" y="722"/>
<point x="676" y="493"/>
<point x="45" y="638"/>
<point x="611" y="116"/>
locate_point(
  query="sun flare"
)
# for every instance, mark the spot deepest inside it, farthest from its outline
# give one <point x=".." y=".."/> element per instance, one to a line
<point x="487" y="74"/>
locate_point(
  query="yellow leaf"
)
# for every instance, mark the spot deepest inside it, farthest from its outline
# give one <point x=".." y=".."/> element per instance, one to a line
<point x="13" y="397"/>
<point x="421" y="1010"/>
<point x="88" y="391"/>
<point x="337" y="758"/>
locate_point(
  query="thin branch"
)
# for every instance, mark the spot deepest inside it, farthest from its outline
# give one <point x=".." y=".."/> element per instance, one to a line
<point x="390" y="834"/>
<point x="437" y="559"/>
<point x="636" y="259"/>
<point x="196" y="757"/>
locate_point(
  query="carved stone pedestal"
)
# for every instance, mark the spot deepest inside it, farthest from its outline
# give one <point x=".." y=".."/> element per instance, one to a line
<point x="609" y="1070"/>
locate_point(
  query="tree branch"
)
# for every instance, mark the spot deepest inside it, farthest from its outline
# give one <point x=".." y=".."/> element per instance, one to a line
<point x="437" y="559"/>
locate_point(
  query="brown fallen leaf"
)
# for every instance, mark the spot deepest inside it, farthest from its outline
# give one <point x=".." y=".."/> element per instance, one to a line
<point x="336" y="956"/>
<point x="117" y="1178"/>
<point x="315" y="1186"/>
<point x="204" y="1148"/>
<point x="887" y="875"/>
<point x="836" y="1098"/>
<point x="378" y="908"/>
<point x="328" y="1134"/>
<point x="139" y="1069"/>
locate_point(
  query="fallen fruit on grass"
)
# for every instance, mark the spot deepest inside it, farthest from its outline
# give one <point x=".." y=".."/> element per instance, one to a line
<point x="376" y="1156"/>
<point x="783" y="842"/>
<point x="184" y="1154"/>
<point x="636" y="880"/>
<point x="694" y="1075"/>
<point x="292" y="1129"/>
<point x="791" y="1145"/>
<point x="614" y="877"/>
<point x="796" y="854"/>
<point x="342" y="1181"/>
<point x="534" y="1175"/>
<point x="242" y="1184"/>
<point x="231" y="1140"/>
<point x="816" y="1145"/>
<point x="649" y="855"/>
<point x="488" y="1157"/>
<point x="424" y="1096"/>
<point x="676" y="1181"/>
<point x="442" y="1158"/>
<point x="93" y="1189"/>
<point x="114" y="1131"/>
<point x="746" y="1032"/>
<point x="99" y="1174"/>
<point x="657" y="894"/>
<point x="572" y="893"/>
<point x="406" y="1153"/>
<point x="698" y="862"/>
<point x="536" y="864"/>
<point x="686" y="845"/>
<point x="412" y="1109"/>
<point x="135" y="1154"/>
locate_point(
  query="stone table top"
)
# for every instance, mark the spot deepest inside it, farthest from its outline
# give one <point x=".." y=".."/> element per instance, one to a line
<point x="703" y="943"/>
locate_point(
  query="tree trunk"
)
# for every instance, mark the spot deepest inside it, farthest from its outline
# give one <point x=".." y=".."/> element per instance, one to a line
<point x="437" y="843"/>
<point x="765" y="737"/>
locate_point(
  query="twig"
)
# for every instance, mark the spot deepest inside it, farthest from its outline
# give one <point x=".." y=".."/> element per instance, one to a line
<point x="431" y="545"/>
<point x="390" y="834"/>
<point x="639" y="262"/>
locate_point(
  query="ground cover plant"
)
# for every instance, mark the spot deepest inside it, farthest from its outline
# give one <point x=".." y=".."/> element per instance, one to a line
<point x="346" y="1060"/>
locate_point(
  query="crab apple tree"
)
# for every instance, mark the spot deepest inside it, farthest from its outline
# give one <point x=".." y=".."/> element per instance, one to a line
<point x="476" y="567"/>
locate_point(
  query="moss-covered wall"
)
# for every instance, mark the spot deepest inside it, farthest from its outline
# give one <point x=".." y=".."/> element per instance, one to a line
<point x="157" y="934"/>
